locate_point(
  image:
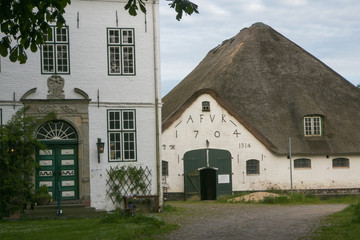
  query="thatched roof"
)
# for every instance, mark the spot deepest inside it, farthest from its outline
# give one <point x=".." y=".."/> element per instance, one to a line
<point x="269" y="84"/>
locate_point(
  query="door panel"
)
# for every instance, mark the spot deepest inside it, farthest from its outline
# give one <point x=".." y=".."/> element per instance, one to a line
<point x="221" y="159"/>
<point x="193" y="160"/>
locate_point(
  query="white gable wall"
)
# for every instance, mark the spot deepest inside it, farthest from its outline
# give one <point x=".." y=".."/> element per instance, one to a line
<point x="191" y="130"/>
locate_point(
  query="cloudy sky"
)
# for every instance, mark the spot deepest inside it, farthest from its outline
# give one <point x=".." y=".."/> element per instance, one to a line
<point x="328" y="29"/>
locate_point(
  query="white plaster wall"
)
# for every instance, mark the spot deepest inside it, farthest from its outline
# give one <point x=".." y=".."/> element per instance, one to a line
<point x="146" y="151"/>
<point x="191" y="130"/>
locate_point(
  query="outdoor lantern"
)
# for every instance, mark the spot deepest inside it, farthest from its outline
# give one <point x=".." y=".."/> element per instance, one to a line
<point x="100" y="148"/>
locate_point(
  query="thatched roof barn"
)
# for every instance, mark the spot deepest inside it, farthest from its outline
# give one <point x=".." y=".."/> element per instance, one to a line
<point x="268" y="83"/>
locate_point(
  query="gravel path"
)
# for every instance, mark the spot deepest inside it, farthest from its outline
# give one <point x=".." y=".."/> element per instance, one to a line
<point x="247" y="221"/>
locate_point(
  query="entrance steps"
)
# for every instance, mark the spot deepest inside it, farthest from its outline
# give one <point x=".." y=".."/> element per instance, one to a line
<point x="70" y="209"/>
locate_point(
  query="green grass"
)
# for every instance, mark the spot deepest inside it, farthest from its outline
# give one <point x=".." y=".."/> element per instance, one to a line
<point x="116" y="226"/>
<point x="344" y="225"/>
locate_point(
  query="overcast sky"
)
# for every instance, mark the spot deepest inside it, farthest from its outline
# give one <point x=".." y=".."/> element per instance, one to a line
<point x="328" y="29"/>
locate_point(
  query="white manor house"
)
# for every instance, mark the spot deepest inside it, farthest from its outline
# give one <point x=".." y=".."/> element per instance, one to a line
<point x="100" y="74"/>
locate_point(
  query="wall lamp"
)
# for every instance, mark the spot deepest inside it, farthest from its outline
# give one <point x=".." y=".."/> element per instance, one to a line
<point x="100" y="148"/>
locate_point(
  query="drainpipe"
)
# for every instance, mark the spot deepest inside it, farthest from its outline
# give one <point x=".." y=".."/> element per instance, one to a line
<point x="155" y="13"/>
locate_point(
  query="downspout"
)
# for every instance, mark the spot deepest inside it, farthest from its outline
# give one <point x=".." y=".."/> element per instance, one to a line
<point x="156" y="84"/>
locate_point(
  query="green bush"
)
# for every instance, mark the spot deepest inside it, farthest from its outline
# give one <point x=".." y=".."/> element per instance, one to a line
<point x="17" y="161"/>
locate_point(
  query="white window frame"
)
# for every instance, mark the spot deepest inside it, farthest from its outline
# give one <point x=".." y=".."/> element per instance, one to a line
<point x="55" y="52"/>
<point x="313" y="126"/>
<point x="121" y="51"/>
<point x="122" y="135"/>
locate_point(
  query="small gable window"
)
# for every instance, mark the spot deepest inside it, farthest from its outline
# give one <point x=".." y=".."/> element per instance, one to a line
<point x="340" y="163"/>
<point x="252" y="166"/>
<point x="206" y="106"/>
<point x="313" y="126"/>
<point x="302" y="163"/>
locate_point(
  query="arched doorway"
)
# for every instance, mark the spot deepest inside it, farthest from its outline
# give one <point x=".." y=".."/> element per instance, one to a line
<point x="58" y="164"/>
<point x="207" y="174"/>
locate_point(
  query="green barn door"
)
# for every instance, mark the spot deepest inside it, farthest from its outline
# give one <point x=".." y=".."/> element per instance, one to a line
<point x="58" y="165"/>
<point x="221" y="159"/>
<point x="193" y="160"/>
<point x="207" y="174"/>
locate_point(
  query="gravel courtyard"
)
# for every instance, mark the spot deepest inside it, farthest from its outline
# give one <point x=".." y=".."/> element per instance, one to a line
<point x="206" y="220"/>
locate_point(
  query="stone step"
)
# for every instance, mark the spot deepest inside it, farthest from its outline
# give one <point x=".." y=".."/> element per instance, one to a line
<point x="69" y="210"/>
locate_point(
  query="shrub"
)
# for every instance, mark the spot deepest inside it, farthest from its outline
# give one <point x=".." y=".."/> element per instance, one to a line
<point x="17" y="163"/>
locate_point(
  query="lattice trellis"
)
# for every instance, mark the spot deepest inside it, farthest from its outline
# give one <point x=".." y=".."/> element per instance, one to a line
<point x="128" y="181"/>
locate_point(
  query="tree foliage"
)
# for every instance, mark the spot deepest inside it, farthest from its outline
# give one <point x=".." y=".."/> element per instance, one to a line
<point x="17" y="163"/>
<point x="180" y="7"/>
<point x="25" y="23"/>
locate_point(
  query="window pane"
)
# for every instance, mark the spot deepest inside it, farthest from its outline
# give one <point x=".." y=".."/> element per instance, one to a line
<point x="129" y="146"/>
<point x="316" y="127"/>
<point x="114" y="120"/>
<point x="307" y="126"/>
<point x="302" y="163"/>
<point x="206" y="106"/>
<point x="252" y="167"/>
<point x="128" y="120"/>
<point x="61" y="35"/>
<point x="165" y="168"/>
<point x="48" y="58"/>
<point x="115" y="146"/>
<point x="341" y="162"/>
<point x="49" y="37"/>
<point x="128" y="59"/>
<point x="114" y="36"/>
<point x="127" y="36"/>
<point x="62" y="58"/>
<point x="114" y="58"/>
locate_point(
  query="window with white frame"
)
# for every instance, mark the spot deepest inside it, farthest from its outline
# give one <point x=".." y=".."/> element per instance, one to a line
<point x="55" y="56"/>
<point x="122" y="135"/>
<point x="313" y="126"/>
<point x="121" y="51"/>
<point x="252" y="166"/>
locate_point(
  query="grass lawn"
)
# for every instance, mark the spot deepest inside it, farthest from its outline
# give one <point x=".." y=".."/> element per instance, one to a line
<point x="115" y="226"/>
<point x="344" y="225"/>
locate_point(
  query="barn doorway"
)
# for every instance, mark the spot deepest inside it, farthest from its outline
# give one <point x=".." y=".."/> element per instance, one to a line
<point x="208" y="184"/>
<point x="207" y="174"/>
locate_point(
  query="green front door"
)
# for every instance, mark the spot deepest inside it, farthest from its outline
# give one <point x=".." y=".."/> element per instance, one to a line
<point x="58" y="166"/>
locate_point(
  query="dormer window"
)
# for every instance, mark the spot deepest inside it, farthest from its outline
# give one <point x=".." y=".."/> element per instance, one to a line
<point x="206" y="106"/>
<point x="313" y="126"/>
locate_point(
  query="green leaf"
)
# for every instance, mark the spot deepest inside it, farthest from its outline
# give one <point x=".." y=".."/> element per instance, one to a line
<point x="33" y="46"/>
<point x="3" y="50"/>
<point x="14" y="52"/>
<point x="142" y="6"/>
<point x="22" y="55"/>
